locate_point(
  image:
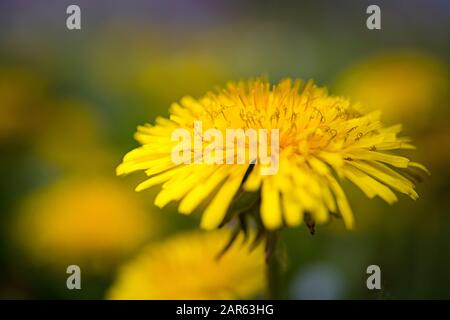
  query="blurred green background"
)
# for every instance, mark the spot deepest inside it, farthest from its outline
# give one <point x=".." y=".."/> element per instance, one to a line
<point x="70" y="102"/>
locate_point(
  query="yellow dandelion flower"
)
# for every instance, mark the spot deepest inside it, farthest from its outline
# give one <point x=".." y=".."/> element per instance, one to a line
<point x="89" y="222"/>
<point x="185" y="266"/>
<point x="322" y="140"/>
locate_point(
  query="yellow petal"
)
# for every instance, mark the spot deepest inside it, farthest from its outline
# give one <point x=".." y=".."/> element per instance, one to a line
<point x="396" y="161"/>
<point x="293" y="212"/>
<point x="176" y="188"/>
<point x="158" y="179"/>
<point x="419" y="166"/>
<point x="215" y="212"/>
<point x="369" y="186"/>
<point x="342" y="203"/>
<point x="270" y="205"/>
<point x="387" y="176"/>
<point x="201" y="191"/>
<point x="253" y="181"/>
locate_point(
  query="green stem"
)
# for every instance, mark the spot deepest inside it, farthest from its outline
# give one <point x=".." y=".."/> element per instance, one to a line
<point x="274" y="265"/>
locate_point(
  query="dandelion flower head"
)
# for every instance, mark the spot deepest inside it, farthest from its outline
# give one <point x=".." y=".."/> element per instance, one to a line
<point x="90" y="222"/>
<point x="323" y="139"/>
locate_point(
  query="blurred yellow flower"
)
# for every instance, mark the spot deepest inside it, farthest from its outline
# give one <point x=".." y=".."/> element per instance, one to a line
<point x="404" y="85"/>
<point x="73" y="139"/>
<point x="318" y="134"/>
<point x="185" y="266"/>
<point x="91" y="222"/>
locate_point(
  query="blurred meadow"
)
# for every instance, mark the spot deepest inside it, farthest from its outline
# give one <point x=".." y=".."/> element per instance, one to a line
<point x="70" y="102"/>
